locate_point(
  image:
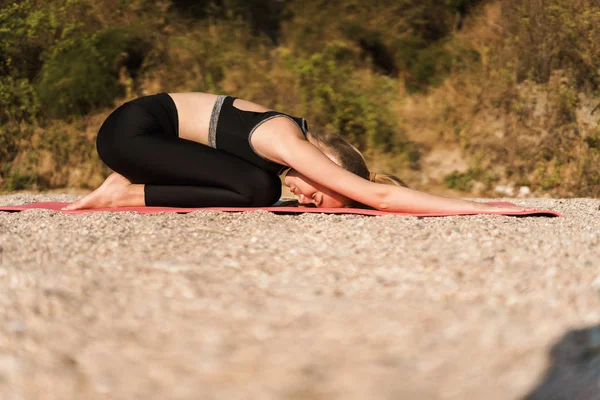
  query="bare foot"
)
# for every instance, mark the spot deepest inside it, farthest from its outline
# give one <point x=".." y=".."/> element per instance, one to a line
<point x="109" y="194"/>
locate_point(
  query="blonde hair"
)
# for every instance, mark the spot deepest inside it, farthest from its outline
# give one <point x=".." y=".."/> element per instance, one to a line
<point x="350" y="158"/>
<point x="386" y="179"/>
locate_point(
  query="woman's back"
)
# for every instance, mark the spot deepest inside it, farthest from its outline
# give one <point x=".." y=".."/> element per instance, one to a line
<point x="142" y="141"/>
<point x="194" y="112"/>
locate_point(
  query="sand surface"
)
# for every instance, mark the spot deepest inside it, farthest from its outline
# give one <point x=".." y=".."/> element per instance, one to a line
<point x="258" y="306"/>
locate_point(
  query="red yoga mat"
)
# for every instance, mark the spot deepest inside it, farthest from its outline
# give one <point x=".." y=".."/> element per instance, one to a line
<point x="56" y="206"/>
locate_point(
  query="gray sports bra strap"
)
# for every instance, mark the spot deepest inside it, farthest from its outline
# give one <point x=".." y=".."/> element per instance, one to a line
<point x="214" y="119"/>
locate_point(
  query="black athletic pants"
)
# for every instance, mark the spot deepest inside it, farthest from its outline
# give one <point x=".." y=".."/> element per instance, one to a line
<point x="140" y="141"/>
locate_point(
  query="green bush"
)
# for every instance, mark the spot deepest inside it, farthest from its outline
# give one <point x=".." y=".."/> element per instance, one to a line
<point x="332" y="100"/>
<point x="264" y="16"/>
<point x="339" y="63"/>
<point x="567" y="105"/>
<point x="407" y="50"/>
<point x="593" y="142"/>
<point x="18" y="100"/>
<point x="555" y="35"/>
<point x="12" y="136"/>
<point x="26" y="29"/>
<point x="68" y="54"/>
<point x="460" y="180"/>
<point x="9" y="136"/>
<point x="428" y="65"/>
<point x="430" y="68"/>
<point x="84" y="74"/>
<point x="197" y="61"/>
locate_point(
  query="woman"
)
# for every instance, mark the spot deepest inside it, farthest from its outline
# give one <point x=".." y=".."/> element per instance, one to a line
<point x="202" y="150"/>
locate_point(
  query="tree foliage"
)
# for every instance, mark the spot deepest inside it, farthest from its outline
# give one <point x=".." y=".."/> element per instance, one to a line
<point x="346" y="65"/>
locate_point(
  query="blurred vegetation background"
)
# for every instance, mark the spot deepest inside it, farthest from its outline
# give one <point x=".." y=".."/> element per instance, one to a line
<point x="455" y="96"/>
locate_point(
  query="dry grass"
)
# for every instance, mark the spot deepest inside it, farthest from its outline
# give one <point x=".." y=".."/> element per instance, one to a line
<point x="504" y="117"/>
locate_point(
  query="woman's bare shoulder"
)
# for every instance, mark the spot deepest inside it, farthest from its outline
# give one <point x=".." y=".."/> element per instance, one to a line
<point x="210" y="98"/>
<point x="276" y="137"/>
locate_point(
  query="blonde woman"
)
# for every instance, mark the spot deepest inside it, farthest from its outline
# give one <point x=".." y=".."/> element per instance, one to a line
<point x="203" y="150"/>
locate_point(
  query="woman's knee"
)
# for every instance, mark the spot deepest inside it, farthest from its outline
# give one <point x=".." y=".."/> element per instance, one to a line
<point x="112" y="140"/>
<point x="269" y="195"/>
<point x="263" y="189"/>
<point x="109" y="133"/>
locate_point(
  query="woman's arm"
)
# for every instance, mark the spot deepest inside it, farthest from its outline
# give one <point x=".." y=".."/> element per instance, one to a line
<point x="307" y="159"/>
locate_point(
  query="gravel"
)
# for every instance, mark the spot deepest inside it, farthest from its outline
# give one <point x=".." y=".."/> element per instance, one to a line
<point x="211" y="305"/>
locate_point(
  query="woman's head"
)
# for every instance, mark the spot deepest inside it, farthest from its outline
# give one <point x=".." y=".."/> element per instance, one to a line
<point x="313" y="194"/>
<point x="346" y="156"/>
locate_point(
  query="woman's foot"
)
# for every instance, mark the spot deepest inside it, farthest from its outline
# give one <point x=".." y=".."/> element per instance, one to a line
<point x="114" y="192"/>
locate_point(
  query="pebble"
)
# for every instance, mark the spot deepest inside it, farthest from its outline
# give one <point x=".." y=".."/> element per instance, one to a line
<point x="298" y="302"/>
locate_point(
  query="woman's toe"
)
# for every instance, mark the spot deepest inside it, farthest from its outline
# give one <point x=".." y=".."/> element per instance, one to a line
<point x="74" y="206"/>
<point x="68" y="207"/>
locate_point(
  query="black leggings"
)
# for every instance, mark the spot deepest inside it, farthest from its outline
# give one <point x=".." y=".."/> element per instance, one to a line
<point x="140" y="141"/>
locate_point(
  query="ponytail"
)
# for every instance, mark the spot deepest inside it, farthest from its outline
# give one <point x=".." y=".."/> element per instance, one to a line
<point x="386" y="179"/>
<point x="349" y="158"/>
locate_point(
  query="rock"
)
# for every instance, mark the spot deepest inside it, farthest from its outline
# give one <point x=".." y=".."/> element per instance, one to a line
<point x="524" y="191"/>
<point x="505" y="190"/>
<point x="16" y="326"/>
<point x="575" y="369"/>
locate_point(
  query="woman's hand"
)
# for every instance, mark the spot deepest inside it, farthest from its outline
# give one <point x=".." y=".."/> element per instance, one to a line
<point x="409" y="200"/>
<point x="310" y="161"/>
<point x="502" y="208"/>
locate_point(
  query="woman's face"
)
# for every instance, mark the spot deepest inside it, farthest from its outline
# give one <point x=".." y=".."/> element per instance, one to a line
<point x="310" y="192"/>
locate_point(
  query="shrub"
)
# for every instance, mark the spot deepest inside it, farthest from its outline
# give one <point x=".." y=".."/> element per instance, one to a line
<point x="593" y="141"/>
<point x="264" y="16"/>
<point x="83" y="74"/>
<point x="460" y="180"/>
<point x="332" y="98"/>
<point x="12" y="137"/>
<point x="553" y="35"/>
<point x="18" y="100"/>
<point x="26" y="29"/>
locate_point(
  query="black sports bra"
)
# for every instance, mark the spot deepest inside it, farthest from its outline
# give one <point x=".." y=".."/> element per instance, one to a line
<point x="231" y="130"/>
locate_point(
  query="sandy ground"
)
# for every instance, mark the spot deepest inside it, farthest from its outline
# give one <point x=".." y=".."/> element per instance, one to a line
<point x="258" y="306"/>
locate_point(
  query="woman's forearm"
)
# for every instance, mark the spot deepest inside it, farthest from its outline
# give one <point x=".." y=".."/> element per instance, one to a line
<point x="403" y="199"/>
